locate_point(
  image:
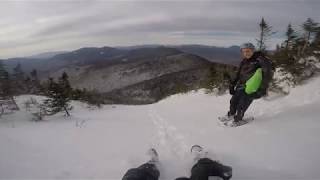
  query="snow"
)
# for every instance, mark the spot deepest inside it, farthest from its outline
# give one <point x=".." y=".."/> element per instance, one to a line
<point x="283" y="79"/>
<point x="316" y="52"/>
<point x="281" y="143"/>
<point x="313" y="61"/>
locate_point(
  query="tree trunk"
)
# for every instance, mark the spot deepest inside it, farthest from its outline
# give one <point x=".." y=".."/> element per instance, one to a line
<point x="15" y="104"/>
<point x="67" y="112"/>
<point x="261" y="40"/>
<point x="306" y="43"/>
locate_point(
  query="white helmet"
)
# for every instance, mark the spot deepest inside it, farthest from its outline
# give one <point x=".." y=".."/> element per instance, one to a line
<point x="247" y="45"/>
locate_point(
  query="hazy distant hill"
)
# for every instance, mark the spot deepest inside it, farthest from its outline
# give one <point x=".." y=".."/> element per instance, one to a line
<point x="129" y="75"/>
<point x="83" y="56"/>
<point x="46" y="55"/>
<point x="229" y="55"/>
<point x="55" y="60"/>
<point x="129" y="68"/>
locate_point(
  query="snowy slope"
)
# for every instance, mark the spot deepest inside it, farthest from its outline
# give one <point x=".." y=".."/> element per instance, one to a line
<point x="282" y="143"/>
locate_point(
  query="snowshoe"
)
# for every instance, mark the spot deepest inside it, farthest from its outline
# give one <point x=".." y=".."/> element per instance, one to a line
<point x="244" y="121"/>
<point x="226" y="118"/>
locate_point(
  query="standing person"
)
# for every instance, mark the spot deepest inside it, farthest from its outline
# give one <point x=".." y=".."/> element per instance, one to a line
<point x="251" y="82"/>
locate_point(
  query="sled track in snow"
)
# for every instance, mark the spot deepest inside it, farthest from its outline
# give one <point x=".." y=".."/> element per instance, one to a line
<point x="168" y="136"/>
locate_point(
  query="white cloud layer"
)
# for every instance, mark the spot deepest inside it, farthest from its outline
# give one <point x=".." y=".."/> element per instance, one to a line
<point x="29" y="27"/>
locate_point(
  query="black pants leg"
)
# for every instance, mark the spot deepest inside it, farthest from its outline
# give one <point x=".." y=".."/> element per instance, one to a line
<point x="147" y="171"/>
<point x="206" y="168"/>
<point x="234" y="101"/>
<point x="239" y="104"/>
<point x="242" y="107"/>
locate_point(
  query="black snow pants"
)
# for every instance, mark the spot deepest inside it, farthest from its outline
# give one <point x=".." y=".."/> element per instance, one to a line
<point x="147" y="171"/>
<point x="206" y="168"/>
<point x="239" y="104"/>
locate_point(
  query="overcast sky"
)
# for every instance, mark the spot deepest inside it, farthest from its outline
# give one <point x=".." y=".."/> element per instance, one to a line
<point x="31" y="27"/>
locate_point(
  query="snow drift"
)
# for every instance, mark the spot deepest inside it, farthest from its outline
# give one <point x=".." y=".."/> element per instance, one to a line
<point x="282" y="143"/>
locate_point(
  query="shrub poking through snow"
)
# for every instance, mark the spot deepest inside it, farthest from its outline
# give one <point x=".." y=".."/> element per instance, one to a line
<point x="37" y="109"/>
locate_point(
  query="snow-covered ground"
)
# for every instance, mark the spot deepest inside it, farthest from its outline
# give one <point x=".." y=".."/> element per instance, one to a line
<point x="282" y="143"/>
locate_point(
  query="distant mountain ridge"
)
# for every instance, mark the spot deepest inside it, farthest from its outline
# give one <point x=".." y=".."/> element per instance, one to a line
<point x="90" y="55"/>
<point x="135" y="75"/>
<point x="46" y="55"/>
<point x="230" y="55"/>
<point x="224" y="55"/>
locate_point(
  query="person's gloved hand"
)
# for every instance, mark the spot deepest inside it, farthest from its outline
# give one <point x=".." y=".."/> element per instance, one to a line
<point x="259" y="94"/>
<point x="263" y="92"/>
<point x="227" y="174"/>
<point x="231" y="89"/>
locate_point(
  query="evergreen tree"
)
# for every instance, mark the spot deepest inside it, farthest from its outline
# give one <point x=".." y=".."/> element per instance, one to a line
<point x="316" y="41"/>
<point x="217" y="80"/>
<point x="3" y="74"/>
<point x="59" y="94"/>
<point x="65" y="84"/>
<point x="35" y="82"/>
<point x="291" y="35"/>
<point x="265" y="33"/>
<point x="28" y="84"/>
<point x="294" y="57"/>
<point x="17" y="72"/>
<point x="18" y="80"/>
<point x="5" y="85"/>
<point x="278" y="48"/>
<point x="6" y="95"/>
<point x="34" y="74"/>
<point x="310" y="27"/>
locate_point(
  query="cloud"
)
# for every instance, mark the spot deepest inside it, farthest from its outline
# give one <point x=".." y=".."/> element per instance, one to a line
<point x="29" y="27"/>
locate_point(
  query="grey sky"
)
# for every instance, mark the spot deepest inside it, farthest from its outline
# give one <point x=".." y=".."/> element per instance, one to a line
<point x="31" y="27"/>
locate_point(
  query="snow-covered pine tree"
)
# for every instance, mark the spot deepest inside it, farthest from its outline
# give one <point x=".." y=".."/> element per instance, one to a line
<point x="59" y="96"/>
<point x="297" y="59"/>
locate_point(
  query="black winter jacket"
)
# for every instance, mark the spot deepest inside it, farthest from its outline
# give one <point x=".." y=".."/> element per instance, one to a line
<point x="249" y="66"/>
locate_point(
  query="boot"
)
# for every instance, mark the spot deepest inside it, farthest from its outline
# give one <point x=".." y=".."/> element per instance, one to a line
<point x="153" y="154"/>
<point x="226" y="118"/>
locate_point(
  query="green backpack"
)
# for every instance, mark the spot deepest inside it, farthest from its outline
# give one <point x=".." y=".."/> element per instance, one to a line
<point x="253" y="84"/>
